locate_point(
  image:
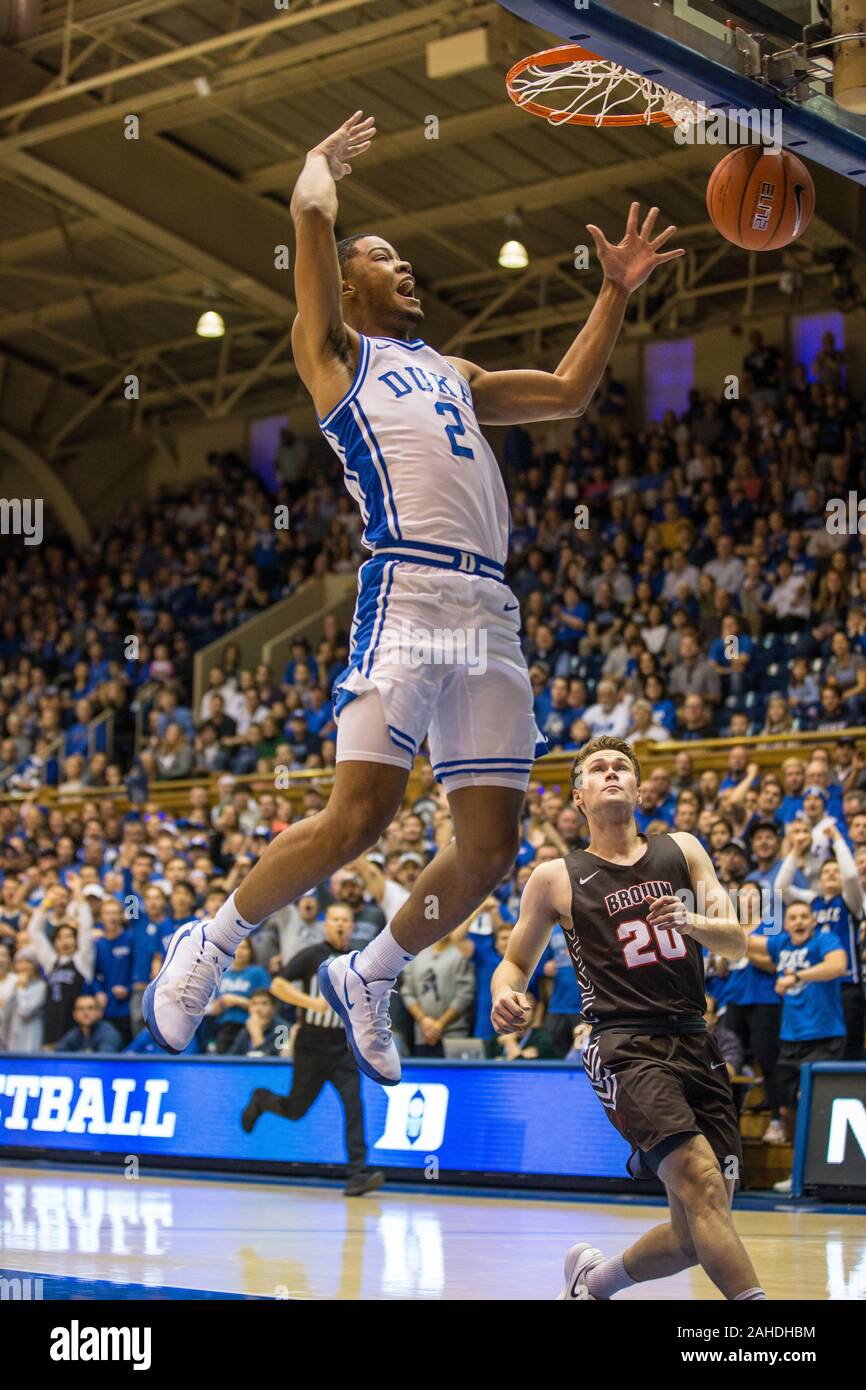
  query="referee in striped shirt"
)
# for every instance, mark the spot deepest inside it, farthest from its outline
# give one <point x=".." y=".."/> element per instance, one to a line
<point x="321" y="1052"/>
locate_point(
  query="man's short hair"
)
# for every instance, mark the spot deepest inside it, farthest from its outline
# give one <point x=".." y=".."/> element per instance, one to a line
<point x="603" y="743"/>
<point x="347" y="249"/>
<point x="263" y="994"/>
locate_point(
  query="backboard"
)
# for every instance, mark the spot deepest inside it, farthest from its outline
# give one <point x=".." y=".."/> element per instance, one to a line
<point x="728" y="54"/>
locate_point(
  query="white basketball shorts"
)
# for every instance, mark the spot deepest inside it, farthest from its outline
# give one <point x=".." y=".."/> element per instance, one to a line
<point x="441" y="649"/>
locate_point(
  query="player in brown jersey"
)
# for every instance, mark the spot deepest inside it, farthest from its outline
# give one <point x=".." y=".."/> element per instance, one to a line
<point x="627" y="907"/>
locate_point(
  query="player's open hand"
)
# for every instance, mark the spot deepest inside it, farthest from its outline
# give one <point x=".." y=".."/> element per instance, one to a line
<point x="634" y="258"/>
<point x="352" y="138"/>
<point x="511" y="1012"/>
<point x="669" y="913"/>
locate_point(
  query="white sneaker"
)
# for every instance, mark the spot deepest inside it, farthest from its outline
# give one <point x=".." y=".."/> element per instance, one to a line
<point x="784" y="1187"/>
<point x="173" y="1004"/>
<point x="774" y="1133"/>
<point x="578" y="1262"/>
<point x="363" y="1007"/>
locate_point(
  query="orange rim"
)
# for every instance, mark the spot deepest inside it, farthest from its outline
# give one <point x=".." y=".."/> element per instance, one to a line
<point x="572" y="53"/>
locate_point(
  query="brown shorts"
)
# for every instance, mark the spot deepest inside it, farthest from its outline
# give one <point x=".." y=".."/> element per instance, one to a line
<point x="660" y="1089"/>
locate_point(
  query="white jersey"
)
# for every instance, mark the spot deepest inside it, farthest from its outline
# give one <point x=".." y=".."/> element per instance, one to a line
<point x="413" y="454"/>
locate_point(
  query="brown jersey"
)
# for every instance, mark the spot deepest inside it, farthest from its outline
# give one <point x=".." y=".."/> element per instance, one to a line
<point x="629" y="972"/>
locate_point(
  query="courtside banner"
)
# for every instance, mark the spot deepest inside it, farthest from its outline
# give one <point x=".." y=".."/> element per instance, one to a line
<point x="831" y="1129"/>
<point x="483" y="1118"/>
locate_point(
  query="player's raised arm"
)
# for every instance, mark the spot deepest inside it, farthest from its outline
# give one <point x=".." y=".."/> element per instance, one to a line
<point x="521" y="397"/>
<point x="319" y="333"/>
<point x="541" y="906"/>
<point x="717" y="927"/>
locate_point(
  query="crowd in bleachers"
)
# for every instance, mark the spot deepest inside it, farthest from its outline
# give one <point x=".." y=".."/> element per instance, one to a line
<point x="705" y="596"/>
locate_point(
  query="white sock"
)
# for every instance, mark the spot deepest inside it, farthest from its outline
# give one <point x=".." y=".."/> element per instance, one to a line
<point x="228" y="928"/>
<point x="750" y="1296"/>
<point x="606" y="1279"/>
<point x="383" y="958"/>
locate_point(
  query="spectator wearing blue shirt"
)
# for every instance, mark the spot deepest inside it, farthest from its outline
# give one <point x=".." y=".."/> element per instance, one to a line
<point x="559" y="715"/>
<point x="731" y="654"/>
<point x="738" y="768"/>
<point x="319" y="714"/>
<point x="80" y="740"/>
<point x="654" y="806"/>
<point x="572" y="614"/>
<point x="753" y="1008"/>
<point x="484" y="938"/>
<point x="808" y="965"/>
<point x="565" y="1006"/>
<point x="664" y="710"/>
<point x="232" y="1002"/>
<point x="263" y="1034"/>
<point x="113" y="975"/>
<point x="838" y="907"/>
<point x="137" y="878"/>
<point x="794" y="782"/>
<point x="170" y="712"/>
<point x="300" y="657"/>
<point x="90" y="1032"/>
<point x="150" y="929"/>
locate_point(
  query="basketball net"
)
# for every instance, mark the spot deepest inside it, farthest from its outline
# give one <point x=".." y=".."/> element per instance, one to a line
<point x="594" y="87"/>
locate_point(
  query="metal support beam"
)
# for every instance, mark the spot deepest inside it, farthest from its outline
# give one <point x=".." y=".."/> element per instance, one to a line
<point x="86" y="410"/>
<point x="251" y="377"/>
<point x="237" y="84"/>
<point x="492" y="207"/>
<point x="48" y="486"/>
<point x="400" y="144"/>
<point x="184" y="252"/>
<point x="97" y="15"/>
<point x="286" y="20"/>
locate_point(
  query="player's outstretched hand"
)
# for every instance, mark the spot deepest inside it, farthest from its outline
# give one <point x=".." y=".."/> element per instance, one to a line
<point x="634" y="258"/>
<point x="511" y="1011"/>
<point x="353" y="137"/>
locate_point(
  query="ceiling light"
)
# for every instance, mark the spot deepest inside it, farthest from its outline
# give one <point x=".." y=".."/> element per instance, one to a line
<point x="210" y="325"/>
<point x="513" y="255"/>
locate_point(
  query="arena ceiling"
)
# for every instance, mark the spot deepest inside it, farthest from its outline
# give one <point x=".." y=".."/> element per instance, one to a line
<point x="112" y="247"/>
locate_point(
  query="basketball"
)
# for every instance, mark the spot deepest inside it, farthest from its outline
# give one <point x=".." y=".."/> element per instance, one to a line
<point x="760" y="200"/>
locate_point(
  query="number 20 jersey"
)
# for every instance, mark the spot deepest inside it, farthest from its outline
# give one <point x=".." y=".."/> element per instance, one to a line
<point x="413" y="454"/>
<point x="623" y="965"/>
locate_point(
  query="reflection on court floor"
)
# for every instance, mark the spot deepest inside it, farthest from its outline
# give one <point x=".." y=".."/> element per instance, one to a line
<point x="95" y="1235"/>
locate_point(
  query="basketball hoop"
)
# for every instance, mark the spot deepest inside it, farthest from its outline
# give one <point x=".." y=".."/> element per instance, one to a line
<point x="594" y="87"/>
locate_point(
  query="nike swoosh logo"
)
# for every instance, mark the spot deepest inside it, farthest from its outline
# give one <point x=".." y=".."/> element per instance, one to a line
<point x="586" y="880"/>
<point x="716" y="1065"/>
<point x="346" y="995"/>
<point x="510" y="607"/>
<point x="799" y="190"/>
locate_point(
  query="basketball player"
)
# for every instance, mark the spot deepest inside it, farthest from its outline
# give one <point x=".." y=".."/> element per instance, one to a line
<point x="405" y="421"/>
<point x="637" y="950"/>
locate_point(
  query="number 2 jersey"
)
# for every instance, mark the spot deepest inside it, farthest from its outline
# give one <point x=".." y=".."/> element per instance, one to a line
<point x="413" y="454"/>
<point x="627" y="970"/>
